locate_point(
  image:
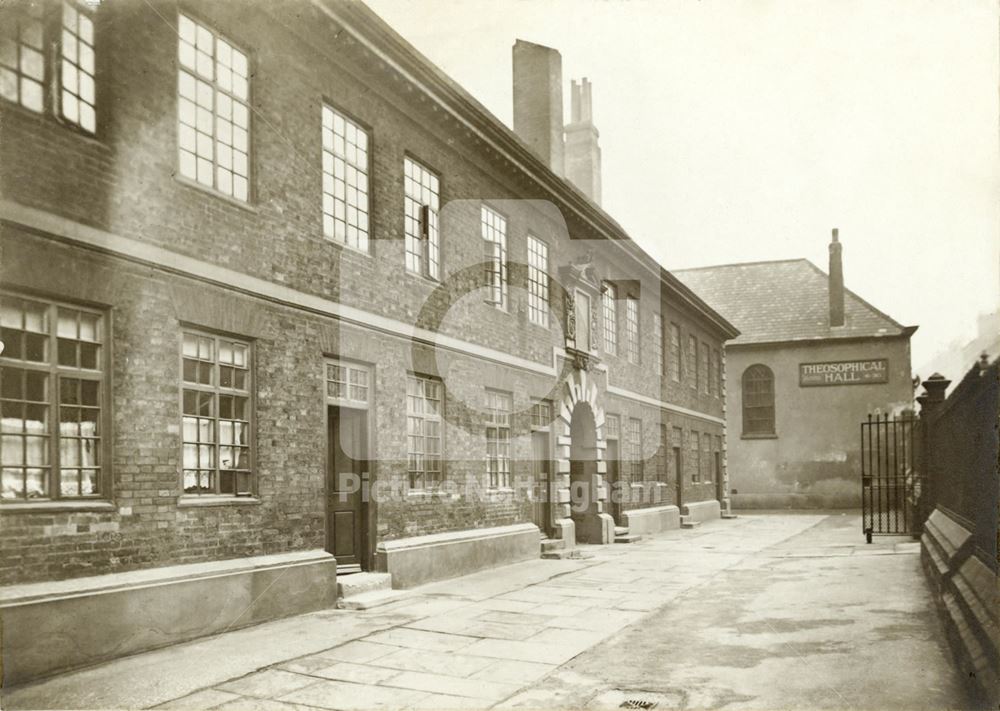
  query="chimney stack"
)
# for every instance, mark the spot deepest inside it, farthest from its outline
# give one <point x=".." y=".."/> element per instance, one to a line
<point x="836" y="281"/>
<point x="583" y="155"/>
<point x="538" y="101"/>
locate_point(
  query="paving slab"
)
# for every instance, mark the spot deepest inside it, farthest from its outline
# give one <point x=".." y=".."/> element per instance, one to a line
<point x="524" y="651"/>
<point x="420" y="639"/>
<point x="267" y="684"/>
<point x="345" y="696"/>
<point x="447" y="663"/>
<point x="357" y="673"/>
<point x="455" y="686"/>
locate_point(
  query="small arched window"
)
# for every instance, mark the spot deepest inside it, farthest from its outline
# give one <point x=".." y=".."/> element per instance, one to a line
<point x="758" y="400"/>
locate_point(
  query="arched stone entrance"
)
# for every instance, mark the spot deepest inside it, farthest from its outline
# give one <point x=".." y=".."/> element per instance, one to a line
<point x="580" y="511"/>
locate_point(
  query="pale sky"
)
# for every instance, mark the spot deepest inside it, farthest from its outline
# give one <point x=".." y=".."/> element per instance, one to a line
<point x="737" y="131"/>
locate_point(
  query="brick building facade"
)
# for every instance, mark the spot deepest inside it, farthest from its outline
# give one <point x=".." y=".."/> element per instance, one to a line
<point x="245" y="254"/>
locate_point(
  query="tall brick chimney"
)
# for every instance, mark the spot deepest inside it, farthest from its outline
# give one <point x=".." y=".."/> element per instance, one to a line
<point x="538" y="101"/>
<point x="836" y="281"/>
<point x="583" y="155"/>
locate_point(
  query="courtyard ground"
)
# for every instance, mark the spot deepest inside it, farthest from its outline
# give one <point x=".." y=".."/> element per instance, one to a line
<point x="780" y="611"/>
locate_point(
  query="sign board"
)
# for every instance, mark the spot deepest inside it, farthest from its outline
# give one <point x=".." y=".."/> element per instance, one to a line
<point x="844" y="372"/>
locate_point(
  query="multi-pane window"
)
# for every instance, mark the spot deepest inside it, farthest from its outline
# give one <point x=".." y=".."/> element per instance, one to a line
<point x="675" y="352"/>
<point x="77" y="98"/>
<point x="717" y="372"/>
<point x="27" y="33"/>
<point x="345" y="180"/>
<point x="213" y="111"/>
<point x="713" y="372"/>
<point x="215" y="372"/>
<point x="22" y="55"/>
<point x="705" y="373"/>
<point x="538" y="282"/>
<point x="658" y="343"/>
<point x="676" y="445"/>
<point x="632" y="328"/>
<point x="706" y="456"/>
<point x="695" y="458"/>
<point x="612" y="427"/>
<point x="758" y="400"/>
<point x="541" y="414"/>
<point x="494" y="232"/>
<point x="349" y="384"/>
<point x="634" y="449"/>
<point x="423" y="431"/>
<point x="609" y="298"/>
<point x="662" y="465"/>
<point x="717" y="460"/>
<point x="51" y="398"/>
<point x="692" y="360"/>
<point x="498" y="412"/>
<point x="421" y="190"/>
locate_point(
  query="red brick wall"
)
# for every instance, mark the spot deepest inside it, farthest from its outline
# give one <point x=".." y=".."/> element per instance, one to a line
<point x="123" y="181"/>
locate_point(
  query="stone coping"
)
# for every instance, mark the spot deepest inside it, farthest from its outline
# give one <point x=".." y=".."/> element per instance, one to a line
<point x="80" y="587"/>
<point x="471" y="534"/>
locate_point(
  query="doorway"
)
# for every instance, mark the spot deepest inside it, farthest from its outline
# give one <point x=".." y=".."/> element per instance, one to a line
<point x="719" y="490"/>
<point x="541" y="469"/>
<point x="346" y="505"/>
<point x="678" y="474"/>
<point x="613" y="473"/>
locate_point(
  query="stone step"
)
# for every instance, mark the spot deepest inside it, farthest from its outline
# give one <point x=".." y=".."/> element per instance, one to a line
<point x="372" y="598"/>
<point x="688" y="522"/>
<point x="729" y="516"/>
<point x="349" y="586"/>
<point x="628" y="538"/>
<point x="552" y="544"/>
<point x="621" y="530"/>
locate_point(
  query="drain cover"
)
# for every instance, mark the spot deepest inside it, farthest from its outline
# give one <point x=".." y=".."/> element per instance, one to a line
<point x="637" y="704"/>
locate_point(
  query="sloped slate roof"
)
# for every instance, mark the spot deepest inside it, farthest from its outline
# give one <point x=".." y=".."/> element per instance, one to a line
<point x="783" y="301"/>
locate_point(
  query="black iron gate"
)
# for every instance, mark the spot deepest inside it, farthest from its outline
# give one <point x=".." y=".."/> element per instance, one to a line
<point x="891" y="483"/>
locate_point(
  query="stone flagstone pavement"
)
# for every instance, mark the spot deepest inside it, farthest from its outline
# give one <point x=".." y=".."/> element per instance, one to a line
<point x="471" y="642"/>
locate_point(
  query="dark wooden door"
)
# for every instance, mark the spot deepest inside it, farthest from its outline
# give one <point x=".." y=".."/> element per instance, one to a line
<point x="679" y="475"/>
<point x="614" y="471"/>
<point x="345" y="510"/>
<point x="542" y="469"/>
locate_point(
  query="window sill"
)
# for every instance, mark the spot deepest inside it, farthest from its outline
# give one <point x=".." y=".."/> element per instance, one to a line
<point x="189" y="501"/>
<point x="759" y="436"/>
<point x="350" y="249"/>
<point x="211" y="191"/>
<point x="57" y="506"/>
<point x="47" y="118"/>
<point x="419" y="278"/>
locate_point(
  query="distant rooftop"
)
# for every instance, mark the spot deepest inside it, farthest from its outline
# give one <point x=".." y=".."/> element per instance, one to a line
<point x="784" y="300"/>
